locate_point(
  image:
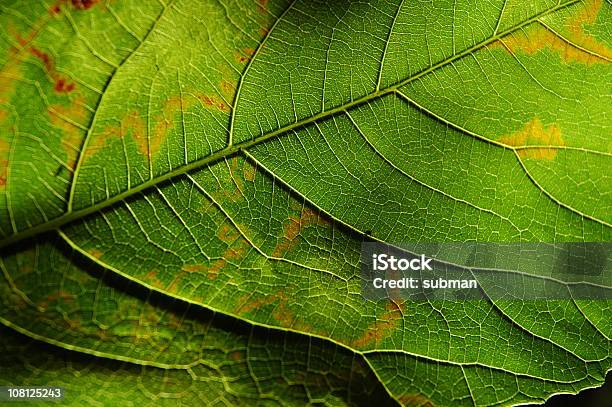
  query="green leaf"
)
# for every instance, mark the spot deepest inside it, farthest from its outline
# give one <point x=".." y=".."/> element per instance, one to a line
<point x="171" y="351"/>
<point x="235" y="155"/>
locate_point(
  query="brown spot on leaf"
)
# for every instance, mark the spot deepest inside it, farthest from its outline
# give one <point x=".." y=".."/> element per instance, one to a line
<point x="215" y="269"/>
<point x="535" y="134"/>
<point x="245" y="55"/>
<point x="55" y="9"/>
<point x="73" y="324"/>
<point x="84" y="4"/>
<point x="262" y="6"/>
<point x="79" y="5"/>
<point x="233" y="191"/>
<point x="236" y="356"/>
<point x="44" y="58"/>
<point x="281" y="313"/>
<point x="61" y="84"/>
<point x="214" y="102"/>
<point x="538" y="37"/>
<point x="382" y="327"/>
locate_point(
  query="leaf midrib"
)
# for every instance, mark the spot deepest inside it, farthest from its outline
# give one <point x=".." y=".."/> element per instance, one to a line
<point x="73" y="215"/>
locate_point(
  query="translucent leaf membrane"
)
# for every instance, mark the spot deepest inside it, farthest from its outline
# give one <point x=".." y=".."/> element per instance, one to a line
<point x="234" y="155"/>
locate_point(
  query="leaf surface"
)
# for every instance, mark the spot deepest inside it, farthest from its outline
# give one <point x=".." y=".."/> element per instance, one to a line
<point x="238" y="164"/>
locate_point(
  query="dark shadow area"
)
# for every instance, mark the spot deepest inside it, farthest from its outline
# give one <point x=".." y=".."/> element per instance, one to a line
<point x="599" y="397"/>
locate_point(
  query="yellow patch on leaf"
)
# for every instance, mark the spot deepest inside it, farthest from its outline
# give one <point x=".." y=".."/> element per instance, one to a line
<point x="4" y="153"/>
<point x="416" y="400"/>
<point x="537" y="135"/>
<point x="227" y="233"/>
<point x="164" y="122"/>
<point x="67" y="118"/>
<point x="95" y="253"/>
<point x="249" y="171"/>
<point x="131" y="123"/>
<point x="538" y="37"/>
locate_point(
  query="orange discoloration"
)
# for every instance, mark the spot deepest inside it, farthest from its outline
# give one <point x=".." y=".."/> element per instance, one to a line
<point x="228" y="89"/>
<point x="11" y="72"/>
<point x="165" y="121"/>
<point x="215" y="269"/>
<point x="73" y="324"/>
<point x="134" y="124"/>
<point x="9" y="75"/>
<point x="4" y="152"/>
<point x="131" y="124"/>
<point x="194" y="268"/>
<point x="535" y="134"/>
<point x="212" y="270"/>
<point x="174" y="321"/>
<point x="235" y="253"/>
<point x="245" y="55"/>
<point x="415" y="400"/>
<point x="55" y="297"/>
<point x="382" y="327"/>
<point x="152" y="279"/>
<point x="95" y="253"/>
<point x="227" y="233"/>
<point x="281" y="313"/>
<point x="539" y="37"/>
<point x="233" y="193"/>
<point x="214" y="102"/>
<point x="67" y="119"/>
<point x="236" y="356"/>
<point x="249" y="172"/>
<point x="262" y="6"/>
<point x="246" y="306"/>
<point x="294" y="226"/>
<point x="284" y="316"/>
